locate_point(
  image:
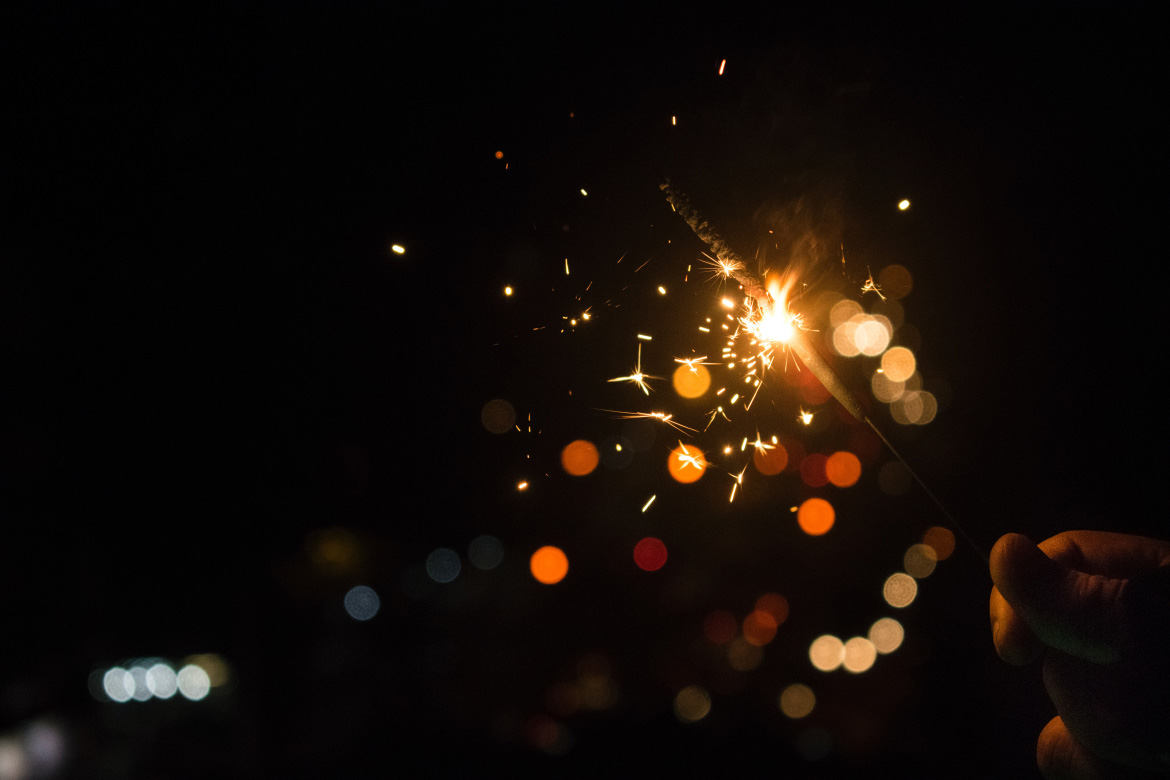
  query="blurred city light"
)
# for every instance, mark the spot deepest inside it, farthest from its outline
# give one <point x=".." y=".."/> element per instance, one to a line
<point x="797" y="701"/>
<point x="692" y="704"/>
<point x="141" y="680"/>
<point x="485" y="552"/>
<point x="827" y="652"/>
<point x="498" y="416"/>
<point x="549" y="565"/>
<point x="443" y="565"/>
<point x="362" y="603"/>
<point x="887" y="635"/>
<point x="900" y="590"/>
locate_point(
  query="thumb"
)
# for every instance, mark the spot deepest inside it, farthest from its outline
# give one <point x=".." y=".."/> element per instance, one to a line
<point x="1076" y="613"/>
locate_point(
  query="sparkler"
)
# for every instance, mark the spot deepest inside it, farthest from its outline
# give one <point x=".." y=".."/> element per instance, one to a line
<point x="773" y="324"/>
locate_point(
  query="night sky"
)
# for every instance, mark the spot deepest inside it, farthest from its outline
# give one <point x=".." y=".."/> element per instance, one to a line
<point x="214" y="367"/>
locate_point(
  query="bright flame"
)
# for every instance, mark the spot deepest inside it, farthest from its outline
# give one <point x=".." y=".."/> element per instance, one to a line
<point x="774" y="324"/>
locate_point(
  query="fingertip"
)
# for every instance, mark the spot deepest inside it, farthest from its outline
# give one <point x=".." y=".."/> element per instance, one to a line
<point x="1058" y="755"/>
<point x="1008" y="549"/>
<point x="1014" y="642"/>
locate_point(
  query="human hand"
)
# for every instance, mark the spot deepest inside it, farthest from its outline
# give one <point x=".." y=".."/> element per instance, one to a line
<point x="1096" y="607"/>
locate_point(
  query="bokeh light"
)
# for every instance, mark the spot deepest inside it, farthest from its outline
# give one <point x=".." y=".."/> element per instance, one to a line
<point x="872" y="335"/>
<point x="118" y="684"/>
<point x="941" y="540"/>
<point x="903" y="205"/>
<point x="579" y="458"/>
<point x="843" y="339"/>
<point x="686" y="463"/>
<point x="162" y="681"/>
<point x="895" y="281"/>
<point x="843" y="469"/>
<point x="900" y="590"/>
<point x="443" y="565"/>
<point x="498" y="416"/>
<point x="815" y="516"/>
<point x="899" y="364"/>
<point x="486" y="552"/>
<point x="759" y="628"/>
<point x="549" y="565"/>
<point x="691" y="381"/>
<point x="743" y="656"/>
<point x="859" y="655"/>
<point x="193" y="682"/>
<point x="887" y="635"/>
<point x="884" y="389"/>
<point x="650" y="554"/>
<point x="770" y="462"/>
<point x="797" y="701"/>
<point x="826" y="652"/>
<point x="333" y="550"/>
<point x="213" y="664"/>
<point x="362" y="602"/>
<point x="812" y="470"/>
<point x="720" y="627"/>
<point x="843" y="311"/>
<point x="692" y="704"/>
<point x="919" y="561"/>
<point x="915" y="407"/>
<point x="775" y="605"/>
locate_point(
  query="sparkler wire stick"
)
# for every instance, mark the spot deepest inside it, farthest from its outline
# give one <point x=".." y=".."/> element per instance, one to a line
<point x="733" y="266"/>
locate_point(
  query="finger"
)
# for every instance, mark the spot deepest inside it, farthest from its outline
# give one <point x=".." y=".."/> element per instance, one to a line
<point x="1109" y="554"/>
<point x="1014" y="641"/>
<point x="1060" y="757"/>
<point x="1115" y="712"/>
<point x="1068" y="610"/>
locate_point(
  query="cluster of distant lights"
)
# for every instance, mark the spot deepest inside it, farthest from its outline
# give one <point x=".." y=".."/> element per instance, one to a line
<point x="144" y="679"/>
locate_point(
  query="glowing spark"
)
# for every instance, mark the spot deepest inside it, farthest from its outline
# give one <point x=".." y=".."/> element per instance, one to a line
<point x="674" y="120"/>
<point x="522" y="486"/>
<point x="716" y="412"/>
<point x="566" y="266"/>
<point x="903" y="205"/>
<point x="648" y="503"/>
<point x="663" y="417"/>
<point x="692" y="362"/>
<point x="398" y="249"/>
<point x="644" y="337"/>
<point x="761" y="445"/>
<point x="871" y="286"/>
<point x="738" y="481"/>
<point x="583" y="192"/>
<point x="722" y="268"/>
<point x="637" y="377"/>
<point x="661" y="290"/>
<point x="691" y="460"/>
<point x="805" y="417"/>
<point x="508" y="290"/>
<point x="722" y="65"/>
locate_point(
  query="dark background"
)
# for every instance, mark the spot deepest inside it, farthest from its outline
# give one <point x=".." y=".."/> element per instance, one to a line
<point x="209" y="355"/>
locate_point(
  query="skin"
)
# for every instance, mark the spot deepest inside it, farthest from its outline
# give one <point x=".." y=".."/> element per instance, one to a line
<point x="1070" y="604"/>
